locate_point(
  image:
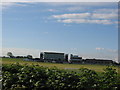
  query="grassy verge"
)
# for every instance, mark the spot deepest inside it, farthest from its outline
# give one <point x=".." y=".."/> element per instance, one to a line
<point x="70" y="67"/>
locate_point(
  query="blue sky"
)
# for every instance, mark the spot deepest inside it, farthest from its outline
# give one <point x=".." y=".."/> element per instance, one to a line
<point x="87" y="29"/>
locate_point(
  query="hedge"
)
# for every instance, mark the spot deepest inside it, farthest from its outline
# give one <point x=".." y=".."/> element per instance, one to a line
<point x="16" y="76"/>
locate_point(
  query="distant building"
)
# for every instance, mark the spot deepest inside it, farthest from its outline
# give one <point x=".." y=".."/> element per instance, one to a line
<point x="53" y="56"/>
<point x="69" y="58"/>
<point x="75" y="59"/>
<point x="98" y="61"/>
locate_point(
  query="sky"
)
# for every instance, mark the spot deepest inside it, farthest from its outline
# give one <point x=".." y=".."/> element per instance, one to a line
<point x="87" y="29"/>
<point x="60" y="0"/>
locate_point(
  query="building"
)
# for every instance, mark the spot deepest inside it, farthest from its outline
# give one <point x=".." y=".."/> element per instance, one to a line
<point x="52" y="56"/>
<point x="70" y="58"/>
<point x="98" y="61"/>
<point x="75" y="59"/>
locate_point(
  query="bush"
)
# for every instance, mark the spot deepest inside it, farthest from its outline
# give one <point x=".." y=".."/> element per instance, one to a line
<point x="88" y="79"/>
<point x="109" y="79"/>
<point x="16" y="76"/>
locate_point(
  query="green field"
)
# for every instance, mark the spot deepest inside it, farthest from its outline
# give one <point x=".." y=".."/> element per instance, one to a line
<point x="98" y="68"/>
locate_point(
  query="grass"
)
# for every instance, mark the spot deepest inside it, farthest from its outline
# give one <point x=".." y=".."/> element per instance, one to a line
<point x="75" y="67"/>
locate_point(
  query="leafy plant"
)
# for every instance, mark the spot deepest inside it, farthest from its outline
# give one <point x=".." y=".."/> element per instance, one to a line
<point x="35" y="77"/>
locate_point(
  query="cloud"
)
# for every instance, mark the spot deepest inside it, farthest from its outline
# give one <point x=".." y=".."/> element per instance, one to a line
<point x="104" y="10"/>
<point x="76" y="4"/>
<point x="73" y="15"/>
<point x="91" y="17"/>
<point x="97" y="3"/>
<point x="107" y="49"/>
<point x="107" y="53"/>
<point x="112" y="50"/>
<point x="97" y="16"/>
<point x="75" y="8"/>
<point x="52" y="10"/>
<point x="86" y="21"/>
<point x="87" y="15"/>
<point x="105" y="16"/>
<point x="7" y="5"/>
<point x="99" y="48"/>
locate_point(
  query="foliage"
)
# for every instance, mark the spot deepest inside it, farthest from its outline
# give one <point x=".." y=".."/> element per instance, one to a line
<point x="10" y="54"/>
<point x="35" y="77"/>
<point x="110" y="79"/>
<point x="29" y="56"/>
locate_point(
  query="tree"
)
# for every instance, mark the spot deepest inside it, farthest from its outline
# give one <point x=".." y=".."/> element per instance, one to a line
<point x="29" y="56"/>
<point x="10" y="54"/>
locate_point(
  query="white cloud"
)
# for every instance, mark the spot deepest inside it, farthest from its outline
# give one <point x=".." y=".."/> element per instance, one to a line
<point x="87" y="15"/>
<point x="75" y="8"/>
<point x="107" y="53"/>
<point x="73" y="15"/>
<point x="112" y="50"/>
<point x="52" y="10"/>
<point x="107" y="49"/>
<point x="92" y="17"/>
<point x="99" y="48"/>
<point x="85" y="21"/>
<point x="104" y="10"/>
<point x="97" y="3"/>
<point x="105" y="16"/>
<point x="6" y="5"/>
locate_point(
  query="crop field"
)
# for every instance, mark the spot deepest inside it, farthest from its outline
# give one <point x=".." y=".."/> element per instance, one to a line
<point x="97" y="68"/>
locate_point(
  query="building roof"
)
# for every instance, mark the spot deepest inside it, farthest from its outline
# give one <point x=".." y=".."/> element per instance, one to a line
<point x="98" y="60"/>
<point x="53" y="53"/>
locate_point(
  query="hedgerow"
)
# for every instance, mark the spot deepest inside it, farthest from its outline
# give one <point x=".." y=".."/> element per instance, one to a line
<point x="35" y="77"/>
